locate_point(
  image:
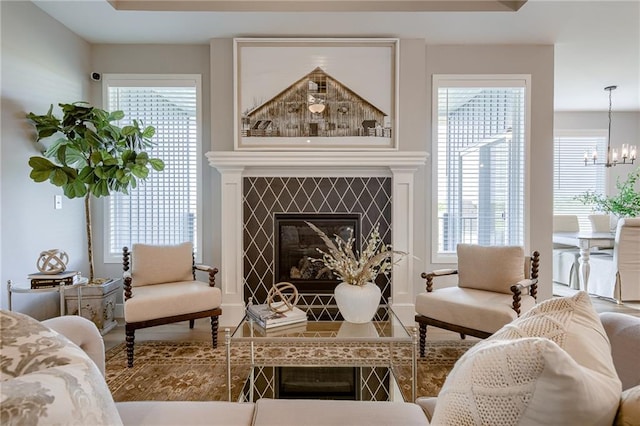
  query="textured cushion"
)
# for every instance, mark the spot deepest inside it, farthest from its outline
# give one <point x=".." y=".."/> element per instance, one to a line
<point x="477" y="309"/>
<point x="285" y="412"/>
<point x="161" y="264"/>
<point x="550" y="366"/>
<point x="166" y="300"/>
<point x="46" y="379"/>
<point x="629" y="411"/>
<point x="494" y="268"/>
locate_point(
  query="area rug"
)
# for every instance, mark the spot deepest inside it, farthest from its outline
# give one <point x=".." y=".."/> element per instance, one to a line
<point x="193" y="371"/>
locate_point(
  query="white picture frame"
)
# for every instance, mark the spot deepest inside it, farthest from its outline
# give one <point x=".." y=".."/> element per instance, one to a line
<point x="316" y="93"/>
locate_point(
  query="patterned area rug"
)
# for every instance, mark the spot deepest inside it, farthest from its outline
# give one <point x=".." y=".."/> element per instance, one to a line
<point x="193" y="371"/>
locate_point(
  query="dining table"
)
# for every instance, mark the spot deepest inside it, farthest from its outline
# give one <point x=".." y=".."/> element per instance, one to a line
<point x="585" y="241"/>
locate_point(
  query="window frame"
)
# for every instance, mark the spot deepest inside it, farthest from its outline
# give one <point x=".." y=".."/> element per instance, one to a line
<point x="168" y="80"/>
<point x="478" y="80"/>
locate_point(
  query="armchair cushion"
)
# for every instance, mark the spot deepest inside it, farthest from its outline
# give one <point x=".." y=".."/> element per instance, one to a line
<point x="490" y="268"/>
<point x="169" y="299"/>
<point x="553" y="365"/>
<point x="477" y="309"/>
<point x="154" y="264"/>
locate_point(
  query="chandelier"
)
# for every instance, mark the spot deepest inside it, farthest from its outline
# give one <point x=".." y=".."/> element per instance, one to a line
<point x="627" y="154"/>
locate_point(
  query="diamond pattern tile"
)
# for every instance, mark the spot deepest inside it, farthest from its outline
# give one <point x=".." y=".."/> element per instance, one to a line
<point x="264" y="196"/>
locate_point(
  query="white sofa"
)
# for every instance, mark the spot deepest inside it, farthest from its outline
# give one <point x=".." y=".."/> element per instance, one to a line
<point x="34" y="353"/>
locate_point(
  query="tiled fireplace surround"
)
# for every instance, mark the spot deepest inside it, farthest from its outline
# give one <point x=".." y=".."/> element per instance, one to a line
<point x="254" y="185"/>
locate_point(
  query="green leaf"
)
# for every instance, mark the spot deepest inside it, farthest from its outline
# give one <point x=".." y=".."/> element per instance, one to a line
<point x="149" y="132"/>
<point x="96" y="157"/>
<point x="99" y="172"/>
<point x="40" y="175"/>
<point x="41" y="164"/>
<point x="157" y="164"/>
<point x="140" y="172"/>
<point x="142" y="159"/>
<point x="115" y="116"/>
<point x="75" y="189"/>
<point x="59" y="177"/>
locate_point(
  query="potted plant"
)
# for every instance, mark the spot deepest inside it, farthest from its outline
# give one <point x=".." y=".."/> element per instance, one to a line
<point x="625" y="203"/>
<point x="91" y="156"/>
<point x="357" y="296"/>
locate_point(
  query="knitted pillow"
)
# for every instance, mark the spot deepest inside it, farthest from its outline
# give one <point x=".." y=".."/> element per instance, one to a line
<point x="490" y="268"/>
<point x="161" y="264"/>
<point x="550" y="366"/>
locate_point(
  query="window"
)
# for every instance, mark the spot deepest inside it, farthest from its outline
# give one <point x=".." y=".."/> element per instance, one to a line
<point x="571" y="177"/>
<point x="165" y="208"/>
<point x="479" y="161"/>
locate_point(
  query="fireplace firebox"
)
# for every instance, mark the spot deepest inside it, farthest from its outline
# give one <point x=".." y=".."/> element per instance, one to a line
<point x="296" y="246"/>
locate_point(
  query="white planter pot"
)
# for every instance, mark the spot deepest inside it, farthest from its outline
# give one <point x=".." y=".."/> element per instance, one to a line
<point x="357" y="304"/>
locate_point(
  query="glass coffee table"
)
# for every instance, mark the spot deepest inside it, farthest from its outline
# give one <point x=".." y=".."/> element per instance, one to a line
<point x="324" y="357"/>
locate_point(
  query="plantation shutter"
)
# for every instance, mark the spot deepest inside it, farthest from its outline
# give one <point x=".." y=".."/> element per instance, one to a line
<point x="570" y="175"/>
<point x="480" y="162"/>
<point x="163" y="209"/>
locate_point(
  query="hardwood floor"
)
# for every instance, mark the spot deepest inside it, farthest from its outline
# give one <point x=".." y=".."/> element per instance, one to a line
<point x="202" y="330"/>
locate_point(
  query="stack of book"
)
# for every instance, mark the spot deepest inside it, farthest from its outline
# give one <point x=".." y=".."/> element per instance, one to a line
<point x="40" y="280"/>
<point x="266" y="318"/>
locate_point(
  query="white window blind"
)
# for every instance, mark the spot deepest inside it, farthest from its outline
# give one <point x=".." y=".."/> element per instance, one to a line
<point x="479" y="176"/>
<point x="164" y="208"/>
<point x="571" y="177"/>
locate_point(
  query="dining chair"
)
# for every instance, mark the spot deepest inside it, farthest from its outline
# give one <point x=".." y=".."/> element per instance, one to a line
<point x="565" y="258"/>
<point x="618" y="276"/>
<point x="601" y="223"/>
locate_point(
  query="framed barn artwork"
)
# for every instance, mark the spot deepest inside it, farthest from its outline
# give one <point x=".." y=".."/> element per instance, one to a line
<point x="316" y="94"/>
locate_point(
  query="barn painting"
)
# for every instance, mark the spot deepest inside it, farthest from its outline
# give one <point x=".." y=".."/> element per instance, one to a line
<point x="316" y="105"/>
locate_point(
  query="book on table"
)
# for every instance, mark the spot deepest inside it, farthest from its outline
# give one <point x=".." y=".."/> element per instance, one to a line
<point x="40" y="280"/>
<point x="265" y="317"/>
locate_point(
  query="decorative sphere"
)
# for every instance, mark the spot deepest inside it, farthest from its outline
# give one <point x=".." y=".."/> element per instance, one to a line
<point x="52" y="261"/>
<point x="279" y="300"/>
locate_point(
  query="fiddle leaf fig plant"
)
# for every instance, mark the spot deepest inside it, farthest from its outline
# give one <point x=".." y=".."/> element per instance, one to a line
<point x="625" y="203"/>
<point x="87" y="155"/>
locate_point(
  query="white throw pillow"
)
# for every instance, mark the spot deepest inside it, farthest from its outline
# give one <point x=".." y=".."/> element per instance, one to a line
<point x="551" y="366"/>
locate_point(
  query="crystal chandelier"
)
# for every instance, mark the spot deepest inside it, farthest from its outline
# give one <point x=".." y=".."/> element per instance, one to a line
<point x="627" y="154"/>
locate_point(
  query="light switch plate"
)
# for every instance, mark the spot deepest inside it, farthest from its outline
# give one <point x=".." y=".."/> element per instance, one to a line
<point x="57" y="202"/>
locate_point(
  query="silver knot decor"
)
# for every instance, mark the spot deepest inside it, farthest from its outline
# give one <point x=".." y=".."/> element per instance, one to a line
<point x="52" y="261"/>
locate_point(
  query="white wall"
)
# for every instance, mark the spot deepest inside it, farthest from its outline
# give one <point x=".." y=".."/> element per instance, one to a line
<point x="43" y="63"/>
<point x="625" y="128"/>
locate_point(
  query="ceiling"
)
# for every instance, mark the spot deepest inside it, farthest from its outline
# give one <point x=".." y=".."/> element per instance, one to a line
<point x="597" y="43"/>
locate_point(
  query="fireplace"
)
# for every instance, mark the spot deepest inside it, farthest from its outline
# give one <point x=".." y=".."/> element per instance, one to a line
<point x="296" y="247"/>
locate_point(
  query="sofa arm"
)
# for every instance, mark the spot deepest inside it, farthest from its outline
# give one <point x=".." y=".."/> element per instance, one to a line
<point x="624" y="335"/>
<point x="428" y="405"/>
<point x="83" y="333"/>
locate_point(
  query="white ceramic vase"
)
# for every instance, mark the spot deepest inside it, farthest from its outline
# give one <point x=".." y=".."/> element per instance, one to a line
<point x="357" y="303"/>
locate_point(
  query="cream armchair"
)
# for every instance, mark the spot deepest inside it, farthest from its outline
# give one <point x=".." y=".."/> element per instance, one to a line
<point x="495" y="285"/>
<point x="618" y="276"/>
<point x="162" y="288"/>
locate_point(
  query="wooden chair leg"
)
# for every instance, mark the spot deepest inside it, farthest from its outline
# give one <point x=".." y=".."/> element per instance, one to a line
<point x="130" y="337"/>
<point x="214" y="331"/>
<point x="423" y="338"/>
<point x="463" y="336"/>
<point x="192" y="323"/>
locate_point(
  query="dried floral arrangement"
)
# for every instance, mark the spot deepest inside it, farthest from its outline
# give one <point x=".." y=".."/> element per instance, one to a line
<point x="351" y="267"/>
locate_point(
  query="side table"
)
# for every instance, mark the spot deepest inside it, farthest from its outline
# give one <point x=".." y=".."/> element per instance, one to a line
<point x="97" y="303"/>
<point x="62" y="288"/>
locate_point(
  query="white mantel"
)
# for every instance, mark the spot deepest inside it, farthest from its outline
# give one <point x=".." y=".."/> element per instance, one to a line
<point x="234" y="165"/>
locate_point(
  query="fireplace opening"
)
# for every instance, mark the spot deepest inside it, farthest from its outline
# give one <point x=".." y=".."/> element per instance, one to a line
<point x="317" y="383"/>
<point x="296" y="244"/>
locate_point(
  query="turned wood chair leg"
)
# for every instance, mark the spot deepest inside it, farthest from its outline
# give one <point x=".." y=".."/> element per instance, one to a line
<point x="192" y="323"/>
<point x="423" y="338"/>
<point x="130" y="337"/>
<point x="214" y="331"/>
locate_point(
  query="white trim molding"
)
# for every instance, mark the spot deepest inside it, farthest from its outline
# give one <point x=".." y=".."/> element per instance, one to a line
<point x="233" y="166"/>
